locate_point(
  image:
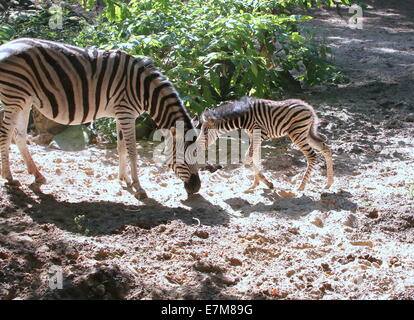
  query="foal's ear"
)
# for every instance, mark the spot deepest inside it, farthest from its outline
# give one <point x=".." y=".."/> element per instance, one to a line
<point x="206" y="118"/>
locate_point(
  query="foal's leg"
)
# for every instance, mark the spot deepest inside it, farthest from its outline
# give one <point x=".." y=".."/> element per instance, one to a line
<point x="303" y="144"/>
<point x="253" y="160"/>
<point x="327" y="154"/>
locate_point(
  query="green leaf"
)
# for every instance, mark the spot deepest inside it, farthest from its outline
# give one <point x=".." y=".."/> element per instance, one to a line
<point x="253" y="67"/>
<point x="6" y="33"/>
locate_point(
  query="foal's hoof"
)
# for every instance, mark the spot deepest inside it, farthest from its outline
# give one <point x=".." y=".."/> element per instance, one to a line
<point x="329" y="183"/>
<point x="253" y="186"/>
<point x="141" y="195"/>
<point x="301" y="188"/>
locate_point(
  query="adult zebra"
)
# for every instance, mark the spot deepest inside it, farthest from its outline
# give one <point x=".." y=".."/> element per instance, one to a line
<point x="73" y="85"/>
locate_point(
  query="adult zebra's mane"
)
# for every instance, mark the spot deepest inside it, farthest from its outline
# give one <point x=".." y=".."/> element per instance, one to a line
<point x="169" y="91"/>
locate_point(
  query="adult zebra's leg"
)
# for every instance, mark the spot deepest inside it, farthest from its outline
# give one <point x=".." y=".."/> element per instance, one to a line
<point x="127" y="133"/>
<point x="21" y="142"/>
<point x="253" y="159"/>
<point x="122" y="152"/>
<point x="6" y="135"/>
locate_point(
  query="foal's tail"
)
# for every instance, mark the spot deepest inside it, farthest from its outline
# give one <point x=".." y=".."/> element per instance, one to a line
<point x="313" y="130"/>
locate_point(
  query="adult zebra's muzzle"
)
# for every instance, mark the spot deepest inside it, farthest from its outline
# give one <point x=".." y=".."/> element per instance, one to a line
<point x="193" y="185"/>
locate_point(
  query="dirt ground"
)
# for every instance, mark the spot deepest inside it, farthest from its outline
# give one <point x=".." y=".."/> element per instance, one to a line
<point x="353" y="241"/>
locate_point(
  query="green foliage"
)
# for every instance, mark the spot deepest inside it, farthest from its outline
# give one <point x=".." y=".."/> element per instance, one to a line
<point x="33" y="21"/>
<point x="6" y="33"/>
<point x="218" y="50"/>
<point x="213" y="50"/>
<point x="106" y="128"/>
<point x="288" y="6"/>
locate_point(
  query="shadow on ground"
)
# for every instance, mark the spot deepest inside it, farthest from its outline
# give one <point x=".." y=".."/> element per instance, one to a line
<point x="105" y="217"/>
<point x="294" y="208"/>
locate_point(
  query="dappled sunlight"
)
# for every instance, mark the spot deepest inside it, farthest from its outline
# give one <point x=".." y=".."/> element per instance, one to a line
<point x="392" y="51"/>
<point x="354" y="240"/>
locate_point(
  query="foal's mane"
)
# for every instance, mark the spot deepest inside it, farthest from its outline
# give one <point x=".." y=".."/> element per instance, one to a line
<point x="230" y="110"/>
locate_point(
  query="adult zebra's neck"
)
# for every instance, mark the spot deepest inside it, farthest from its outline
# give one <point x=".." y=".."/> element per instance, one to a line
<point x="155" y="94"/>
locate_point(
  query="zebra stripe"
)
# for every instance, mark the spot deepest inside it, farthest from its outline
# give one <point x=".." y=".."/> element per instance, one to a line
<point x="273" y="119"/>
<point x="72" y="85"/>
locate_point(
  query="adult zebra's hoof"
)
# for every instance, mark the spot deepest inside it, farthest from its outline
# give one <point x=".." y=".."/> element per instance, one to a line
<point x="193" y="185"/>
<point x="40" y="180"/>
<point x="13" y="183"/>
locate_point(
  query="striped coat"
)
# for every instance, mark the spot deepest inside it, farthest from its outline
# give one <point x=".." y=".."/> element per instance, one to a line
<point x="264" y="119"/>
<point x="72" y="85"/>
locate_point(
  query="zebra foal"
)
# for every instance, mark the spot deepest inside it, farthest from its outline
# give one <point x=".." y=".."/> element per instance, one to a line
<point x="264" y="119"/>
<point x="72" y="85"/>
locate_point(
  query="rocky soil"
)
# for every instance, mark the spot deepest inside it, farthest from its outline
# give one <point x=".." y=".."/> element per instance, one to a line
<point x="353" y="241"/>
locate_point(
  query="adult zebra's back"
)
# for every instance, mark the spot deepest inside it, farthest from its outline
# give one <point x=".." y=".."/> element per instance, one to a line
<point x="73" y="85"/>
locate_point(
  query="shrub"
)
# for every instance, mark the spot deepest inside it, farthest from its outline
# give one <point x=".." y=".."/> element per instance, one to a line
<point x="217" y="50"/>
<point x="212" y="50"/>
<point x="25" y="18"/>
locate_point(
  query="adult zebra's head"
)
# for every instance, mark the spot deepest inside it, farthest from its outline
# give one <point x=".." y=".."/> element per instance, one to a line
<point x="157" y="96"/>
<point x="182" y="161"/>
<point x="189" y="174"/>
